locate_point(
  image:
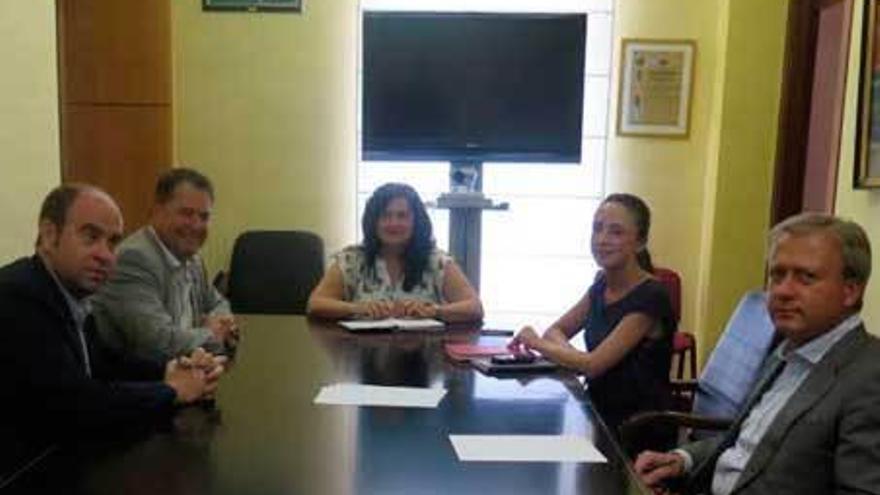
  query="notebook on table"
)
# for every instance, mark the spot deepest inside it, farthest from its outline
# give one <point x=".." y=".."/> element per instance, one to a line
<point x="392" y="324"/>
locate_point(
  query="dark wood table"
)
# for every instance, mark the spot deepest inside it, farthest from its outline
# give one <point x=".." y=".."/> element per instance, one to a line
<point x="266" y="436"/>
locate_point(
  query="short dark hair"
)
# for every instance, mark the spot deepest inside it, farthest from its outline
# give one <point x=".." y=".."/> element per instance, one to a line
<point x="420" y="244"/>
<point x="57" y="203"/>
<point x="170" y="179"/>
<point x="641" y="215"/>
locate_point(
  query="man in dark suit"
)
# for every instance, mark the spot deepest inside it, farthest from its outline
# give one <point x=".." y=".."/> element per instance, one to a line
<point x="57" y="381"/>
<point x="812" y="423"/>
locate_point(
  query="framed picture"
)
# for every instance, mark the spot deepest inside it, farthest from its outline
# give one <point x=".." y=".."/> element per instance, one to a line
<point x="867" y="163"/>
<point x="656" y="77"/>
<point x="294" y="6"/>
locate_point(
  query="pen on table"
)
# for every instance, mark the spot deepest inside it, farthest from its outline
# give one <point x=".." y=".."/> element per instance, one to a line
<point x="497" y="332"/>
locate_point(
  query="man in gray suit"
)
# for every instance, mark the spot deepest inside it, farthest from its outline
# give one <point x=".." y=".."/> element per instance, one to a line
<point x="812" y="423"/>
<point x="159" y="303"/>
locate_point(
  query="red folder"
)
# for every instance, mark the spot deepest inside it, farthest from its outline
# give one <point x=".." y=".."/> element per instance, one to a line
<point x="464" y="352"/>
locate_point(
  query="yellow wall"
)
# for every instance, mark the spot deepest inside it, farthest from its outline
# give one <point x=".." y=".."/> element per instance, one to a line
<point x="746" y="159"/>
<point x="265" y="105"/>
<point x="710" y="193"/>
<point x="862" y="206"/>
<point x="28" y="120"/>
<point x="670" y="173"/>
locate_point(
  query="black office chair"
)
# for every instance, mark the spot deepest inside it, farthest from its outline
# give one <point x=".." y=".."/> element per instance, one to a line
<point x="274" y="271"/>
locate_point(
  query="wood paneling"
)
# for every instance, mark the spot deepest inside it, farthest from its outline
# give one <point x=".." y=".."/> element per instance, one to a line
<point x="120" y="148"/>
<point x="116" y="51"/>
<point x="115" y="91"/>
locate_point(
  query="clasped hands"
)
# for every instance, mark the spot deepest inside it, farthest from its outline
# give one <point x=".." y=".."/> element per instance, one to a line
<point x="405" y="308"/>
<point x="224" y="328"/>
<point x="196" y="376"/>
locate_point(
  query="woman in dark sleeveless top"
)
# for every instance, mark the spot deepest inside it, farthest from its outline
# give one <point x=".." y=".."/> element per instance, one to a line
<point x="626" y="316"/>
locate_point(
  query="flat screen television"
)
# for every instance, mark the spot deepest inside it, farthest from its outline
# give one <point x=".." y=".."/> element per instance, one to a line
<point x="472" y="87"/>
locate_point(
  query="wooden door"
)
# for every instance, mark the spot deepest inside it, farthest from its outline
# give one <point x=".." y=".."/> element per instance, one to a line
<point x="814" y="81"/>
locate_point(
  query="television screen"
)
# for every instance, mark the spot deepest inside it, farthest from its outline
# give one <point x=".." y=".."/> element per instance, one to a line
<point x="473" y="87"/>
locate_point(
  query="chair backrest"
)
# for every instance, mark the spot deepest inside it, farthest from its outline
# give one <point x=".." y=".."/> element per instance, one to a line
<point x="672" y="281"/>
<point x="735" y="363"/>
<point x="274" y="271"/>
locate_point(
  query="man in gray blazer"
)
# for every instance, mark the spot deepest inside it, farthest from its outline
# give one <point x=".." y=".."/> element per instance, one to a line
<point x="812" y="423"/>
<point x="159" y="303"/>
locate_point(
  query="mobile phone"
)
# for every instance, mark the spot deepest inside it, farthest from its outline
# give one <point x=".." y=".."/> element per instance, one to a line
<point x="513" y="359"/>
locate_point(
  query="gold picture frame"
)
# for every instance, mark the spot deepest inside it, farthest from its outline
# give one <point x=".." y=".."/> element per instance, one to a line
<point x="291" y="6"/>
<point x="867" y="162"/>
<point x="656" y="83"/>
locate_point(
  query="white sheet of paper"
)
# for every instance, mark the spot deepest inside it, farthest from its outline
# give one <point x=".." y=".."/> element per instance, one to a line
<point x="375" y="395"/>
<point x="393" y="323"/>
<point x="526" y="448"/>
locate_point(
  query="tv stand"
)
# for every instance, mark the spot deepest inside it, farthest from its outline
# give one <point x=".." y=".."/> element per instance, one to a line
<point x="466" y="203"/>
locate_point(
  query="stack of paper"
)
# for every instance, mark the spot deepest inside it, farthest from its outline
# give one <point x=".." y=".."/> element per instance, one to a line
<point x="374" y="395"/>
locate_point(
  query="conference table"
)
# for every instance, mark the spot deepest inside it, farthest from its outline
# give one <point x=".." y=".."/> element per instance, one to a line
<point x="264" y="434"/>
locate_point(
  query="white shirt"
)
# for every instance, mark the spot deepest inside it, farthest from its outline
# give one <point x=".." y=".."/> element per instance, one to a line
<point x="182" y="284"/>
<point x="79" y="309"/>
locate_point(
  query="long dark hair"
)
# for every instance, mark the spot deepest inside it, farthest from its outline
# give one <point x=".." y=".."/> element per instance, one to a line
<point x="420" y="244"/>
<point x="641" y="215"/>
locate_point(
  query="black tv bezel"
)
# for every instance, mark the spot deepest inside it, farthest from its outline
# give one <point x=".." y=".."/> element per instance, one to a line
<point x="470" y="152"/>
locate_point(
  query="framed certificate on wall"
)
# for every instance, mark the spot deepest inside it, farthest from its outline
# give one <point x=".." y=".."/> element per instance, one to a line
<point x="656" y="77"/>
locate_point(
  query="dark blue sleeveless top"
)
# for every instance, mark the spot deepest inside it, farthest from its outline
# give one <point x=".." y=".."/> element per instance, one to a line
<point x="640" y="381"/>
